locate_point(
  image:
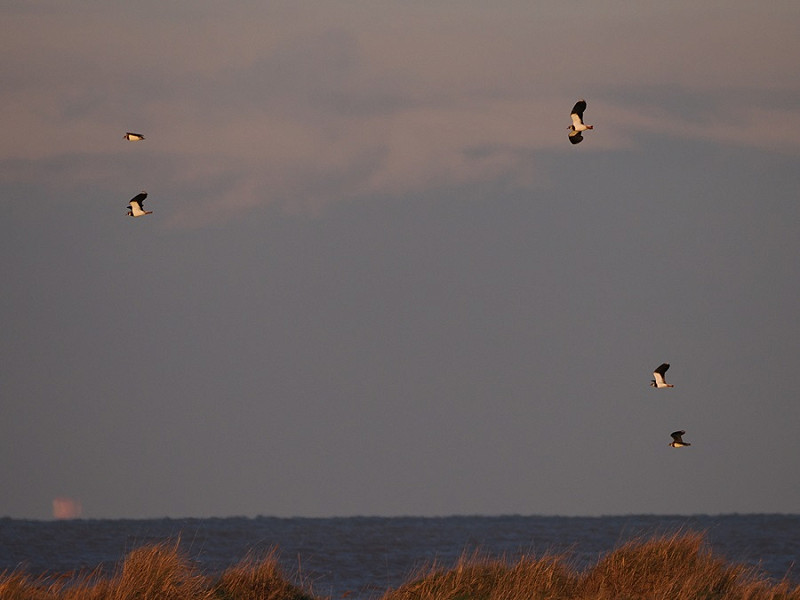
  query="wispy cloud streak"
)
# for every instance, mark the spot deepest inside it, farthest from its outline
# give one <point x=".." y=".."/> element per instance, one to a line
<point x="302" y="107"/>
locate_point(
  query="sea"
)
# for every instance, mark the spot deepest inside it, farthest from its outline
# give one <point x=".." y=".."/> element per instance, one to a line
<point x="362" y="557"/>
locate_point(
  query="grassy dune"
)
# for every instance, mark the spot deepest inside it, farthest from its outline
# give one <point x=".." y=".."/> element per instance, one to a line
<point x="676" y="567"/>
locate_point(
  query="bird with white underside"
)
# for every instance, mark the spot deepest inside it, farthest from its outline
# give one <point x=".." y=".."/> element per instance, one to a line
<point x="136" y="206"/>
<point x="658" y="380"/>
<point x="677" y="439"/>
<point x="578" y="126"/>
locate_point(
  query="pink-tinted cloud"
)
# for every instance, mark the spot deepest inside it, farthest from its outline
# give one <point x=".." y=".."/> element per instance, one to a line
<point x="66" y="508"/>
<point x="301" y="106"/>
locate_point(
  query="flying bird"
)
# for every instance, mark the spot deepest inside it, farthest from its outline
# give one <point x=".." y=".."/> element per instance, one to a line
<point x="577" y="122"/>
<point x="133" y="137"/>
<point x="658" y="374"/>
<point x="677" y="439"/>
<point x="136" y="207"/>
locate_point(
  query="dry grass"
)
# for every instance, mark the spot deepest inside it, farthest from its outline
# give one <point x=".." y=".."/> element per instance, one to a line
<point x="260" y="579"/>
<point x="159" y="572"/>
<point x="676" y="567"/>
<point x="479" y="578"/>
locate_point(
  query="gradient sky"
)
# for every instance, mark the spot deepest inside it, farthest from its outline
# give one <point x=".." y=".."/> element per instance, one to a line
<point x="378" y="280"/>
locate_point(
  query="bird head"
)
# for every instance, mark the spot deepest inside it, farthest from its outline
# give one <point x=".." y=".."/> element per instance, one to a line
<point x="652" y="383"/>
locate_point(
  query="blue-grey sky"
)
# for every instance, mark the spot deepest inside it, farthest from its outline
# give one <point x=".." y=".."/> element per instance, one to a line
<point x="378" y="280"/>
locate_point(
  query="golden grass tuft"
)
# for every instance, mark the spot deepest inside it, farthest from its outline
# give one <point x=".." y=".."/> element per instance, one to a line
<point x="261" y="579"/>
<point x="675" y="567"/>
<point x="155" y="572"/>
<point x="21" y="586"/>
<point x="479" y="578"/>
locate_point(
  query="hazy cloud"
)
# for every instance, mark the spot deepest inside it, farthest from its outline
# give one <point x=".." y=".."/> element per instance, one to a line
<point x="468" y="322"/>
<point x="300" y="106"/>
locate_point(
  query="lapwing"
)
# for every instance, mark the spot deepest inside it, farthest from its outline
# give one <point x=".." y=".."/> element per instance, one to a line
<point x="677" y="439"/>
<point x="136" y="207"/>
<point x="658" y="374"/>
<point x="577" y="122"/>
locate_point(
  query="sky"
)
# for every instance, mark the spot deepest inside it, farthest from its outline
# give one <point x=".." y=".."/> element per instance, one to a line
<point x="378" y="279"/>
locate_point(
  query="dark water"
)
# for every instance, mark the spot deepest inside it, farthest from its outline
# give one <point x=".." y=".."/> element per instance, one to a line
<point x="367" y="555"/>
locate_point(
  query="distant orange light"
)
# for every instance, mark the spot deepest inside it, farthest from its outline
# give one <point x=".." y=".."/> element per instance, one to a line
<point x="66" y="508"/>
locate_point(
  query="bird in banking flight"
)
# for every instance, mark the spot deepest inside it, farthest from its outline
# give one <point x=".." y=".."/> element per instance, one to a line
<point x="677" y="439"/>
<point x="136" y="206"/>
<point x="578" y="125"/>
<point x="658" y="377"/>
<point x="133" y="137"/>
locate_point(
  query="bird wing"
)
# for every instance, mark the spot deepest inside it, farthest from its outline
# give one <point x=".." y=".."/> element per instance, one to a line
<point x="676" y="435"/>
<point x="577" y="119"/>
<point x="662" y="369"/>
<point x="577" y="111"/>
<point x="575" y="137"/>
<point x="139" y="198"/>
